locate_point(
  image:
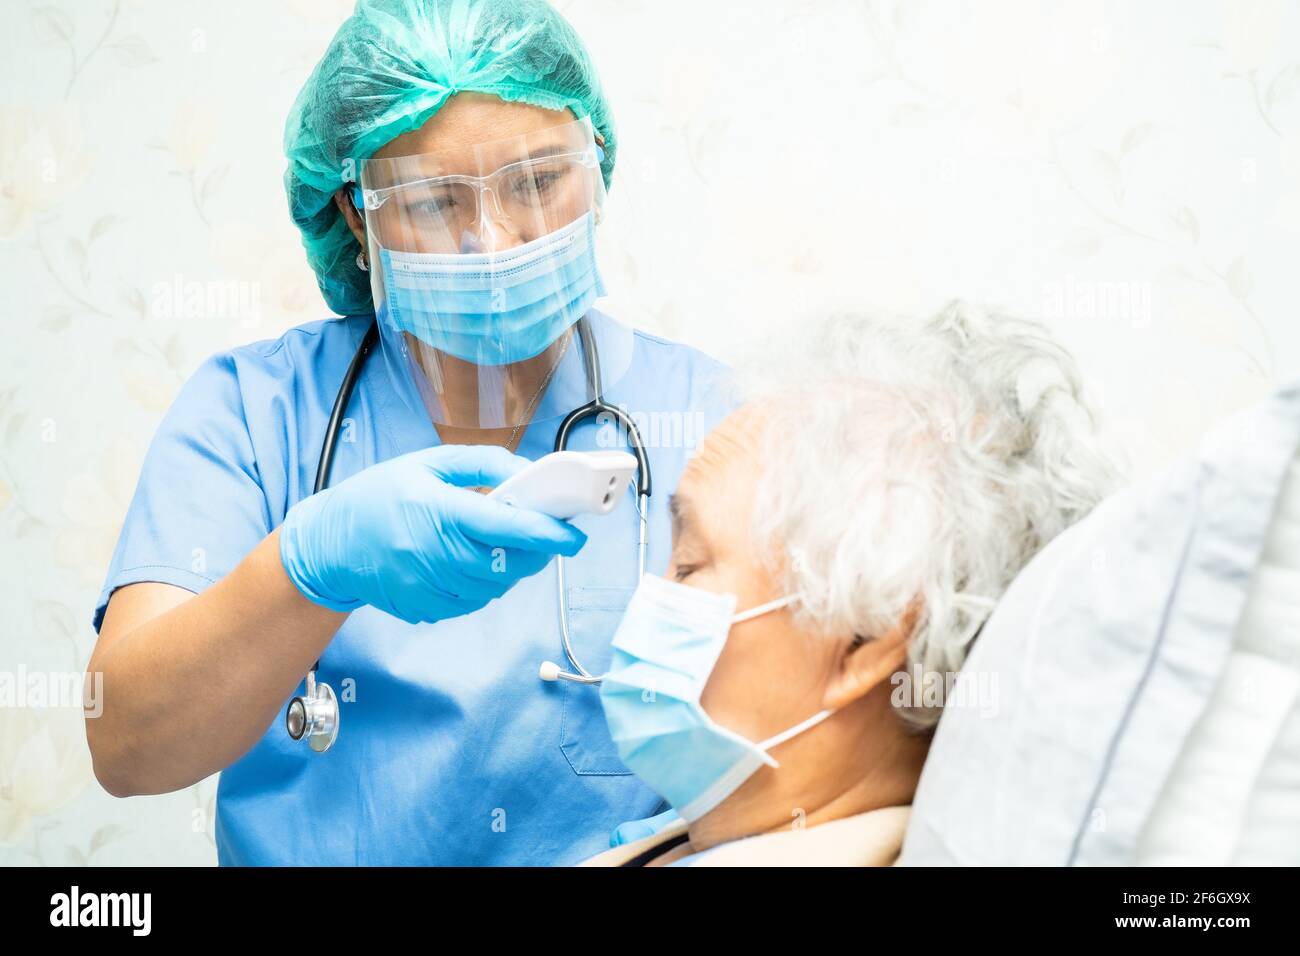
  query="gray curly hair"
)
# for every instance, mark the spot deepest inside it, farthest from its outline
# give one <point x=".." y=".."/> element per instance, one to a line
<point x="920" y="467"/>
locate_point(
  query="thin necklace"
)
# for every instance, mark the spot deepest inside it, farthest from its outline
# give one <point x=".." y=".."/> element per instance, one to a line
<point x="528" y="411"/>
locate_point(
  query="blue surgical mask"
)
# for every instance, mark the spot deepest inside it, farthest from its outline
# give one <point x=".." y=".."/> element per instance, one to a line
<point x="498" y="307"/>
<point x="664" y="651"/>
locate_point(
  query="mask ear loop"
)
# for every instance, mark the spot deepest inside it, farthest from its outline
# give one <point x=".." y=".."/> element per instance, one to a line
<point x="800" y="727"/>
<point x="764" y="608"/>
<point x="794" y="731"/>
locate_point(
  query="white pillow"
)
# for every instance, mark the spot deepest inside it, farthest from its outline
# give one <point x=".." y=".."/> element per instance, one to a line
<point x="1233" y="796"/>
<point x="1113" y="666"/>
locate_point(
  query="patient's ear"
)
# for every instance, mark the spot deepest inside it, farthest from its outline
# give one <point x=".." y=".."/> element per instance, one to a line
<point x="868" y="662"/>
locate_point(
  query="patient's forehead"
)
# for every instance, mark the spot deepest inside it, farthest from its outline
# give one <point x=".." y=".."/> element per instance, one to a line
<point x="719" y="480"/>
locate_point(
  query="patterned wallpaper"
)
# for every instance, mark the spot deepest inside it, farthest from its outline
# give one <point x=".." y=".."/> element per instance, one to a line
<point x="1127" y="171"/>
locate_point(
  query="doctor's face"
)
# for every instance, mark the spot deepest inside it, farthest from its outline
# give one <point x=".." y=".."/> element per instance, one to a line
<point x="516" y="153"/>
<point x="473" y="134"/>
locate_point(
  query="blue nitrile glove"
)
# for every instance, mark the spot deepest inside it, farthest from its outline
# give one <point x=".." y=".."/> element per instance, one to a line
<point x="635" y="830"/>
<point x="409" y="537"/>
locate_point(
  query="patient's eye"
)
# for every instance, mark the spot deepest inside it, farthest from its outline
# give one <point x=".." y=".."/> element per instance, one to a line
<point x="690" y="554"/>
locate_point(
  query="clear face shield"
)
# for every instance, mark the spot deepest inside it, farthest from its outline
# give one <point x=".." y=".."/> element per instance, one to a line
<point x="483" y="269"/>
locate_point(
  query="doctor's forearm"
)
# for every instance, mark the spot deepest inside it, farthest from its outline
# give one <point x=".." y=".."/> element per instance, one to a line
<point x="190" y="691"/>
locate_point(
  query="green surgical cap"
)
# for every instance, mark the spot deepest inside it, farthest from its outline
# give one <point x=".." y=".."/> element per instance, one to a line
<point x="391" y="66"/>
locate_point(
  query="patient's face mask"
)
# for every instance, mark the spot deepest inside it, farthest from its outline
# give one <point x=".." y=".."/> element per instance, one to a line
<point x="664" y="651"/>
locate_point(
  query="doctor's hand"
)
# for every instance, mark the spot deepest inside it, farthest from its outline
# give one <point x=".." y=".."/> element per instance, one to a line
<point x="409" y="537"/>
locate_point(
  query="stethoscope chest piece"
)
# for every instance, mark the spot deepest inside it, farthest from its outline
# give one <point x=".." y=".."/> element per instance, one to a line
<point x="314" y="716"/>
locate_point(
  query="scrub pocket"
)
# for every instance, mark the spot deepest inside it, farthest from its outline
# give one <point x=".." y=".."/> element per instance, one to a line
<point x="594" y="615"/>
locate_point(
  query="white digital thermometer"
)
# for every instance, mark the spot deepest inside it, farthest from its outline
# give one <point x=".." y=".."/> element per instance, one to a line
<point x="565" y="484"/>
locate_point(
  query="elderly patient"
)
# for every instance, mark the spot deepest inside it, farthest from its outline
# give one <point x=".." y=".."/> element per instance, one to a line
<point x="838" y="540"/>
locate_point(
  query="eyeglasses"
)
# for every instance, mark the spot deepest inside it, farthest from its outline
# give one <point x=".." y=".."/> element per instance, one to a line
<point x="525" y="181"/>
<point x="557" y="180"/>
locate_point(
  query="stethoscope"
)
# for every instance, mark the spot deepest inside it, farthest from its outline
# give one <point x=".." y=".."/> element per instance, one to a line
<point x="315" y="713"/>
<point x="550" y="671"/>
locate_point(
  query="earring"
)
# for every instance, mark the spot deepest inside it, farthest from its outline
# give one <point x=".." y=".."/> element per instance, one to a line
<point x="362" y="264"/>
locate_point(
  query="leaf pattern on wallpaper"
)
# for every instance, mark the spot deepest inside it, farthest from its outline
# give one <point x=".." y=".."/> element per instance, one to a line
<point x="140" y="163"/>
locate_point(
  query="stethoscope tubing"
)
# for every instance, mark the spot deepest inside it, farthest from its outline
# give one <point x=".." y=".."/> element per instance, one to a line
<point x="594" y="409"/>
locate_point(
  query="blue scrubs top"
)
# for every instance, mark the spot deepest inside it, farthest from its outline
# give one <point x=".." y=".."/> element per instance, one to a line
<point x="453" y="751"/>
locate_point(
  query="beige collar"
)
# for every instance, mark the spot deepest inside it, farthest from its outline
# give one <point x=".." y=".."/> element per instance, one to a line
<point x="874" y="838"/>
